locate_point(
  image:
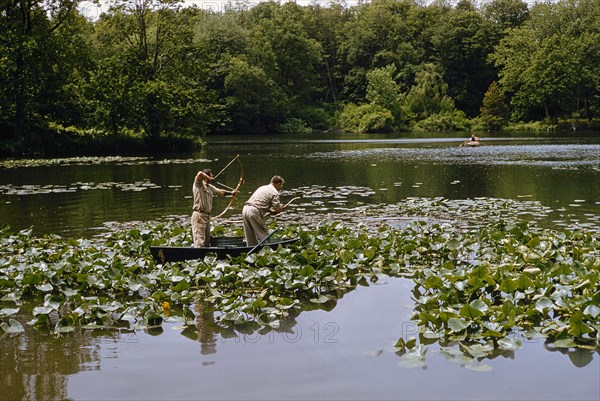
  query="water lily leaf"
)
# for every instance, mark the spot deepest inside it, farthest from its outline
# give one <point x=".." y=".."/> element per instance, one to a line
<point x="590" y="310"/>
<point x="32" y="279"/>
<point x="12" y="327"/>
<point x="434" y="282"/>
<point x="346" y="255"/>
<point x="42" y="310"/>
<point x="428" y="317"/>
<point x="532" y="271"/>
<point x="534" y="242"/>
<point x="457" y="324"/>
<point x="479" y="305"/>
<point x="544" y="304"/>
<point x="307" y="271"/>
<point x="8" y="311"/>
<point x="470" y="312"/>
<point x="455" y="356"/>
<point x="577" y="327"/>
<point x="524" y="282"/>
<point x="46" y="287"/>
<point x="476" y="350"/>
<point x="509" y="343"/>
<point x="65" y="325"/>
<point x="453" y="244"/>
<point x="402" y="344"/>
<point x="320" y="300"/>
<point x="181" y="286"/>
<point x="532" y="257"/>
<point x="508" y="286"/>
<point x="564" y="343"/>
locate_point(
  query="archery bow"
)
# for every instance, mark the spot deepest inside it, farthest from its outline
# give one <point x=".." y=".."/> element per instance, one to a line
<point x="237" y="157"/>
<point x="293" y="199"/>
<point x="287" y="204"/>
<point x="239" y="184"/>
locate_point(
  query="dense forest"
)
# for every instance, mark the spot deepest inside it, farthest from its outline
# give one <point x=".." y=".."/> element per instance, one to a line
<point x="156" y="69"/>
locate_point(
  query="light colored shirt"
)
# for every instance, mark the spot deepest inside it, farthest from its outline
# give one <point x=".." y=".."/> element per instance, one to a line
<point x="265" y="198"/>
<point x="203" y="196"/>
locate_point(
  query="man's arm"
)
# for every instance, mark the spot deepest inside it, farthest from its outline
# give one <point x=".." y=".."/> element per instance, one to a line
<point x="201" y="176"/>
<point x="276" y="206"/>
<point x="222" y="192"/>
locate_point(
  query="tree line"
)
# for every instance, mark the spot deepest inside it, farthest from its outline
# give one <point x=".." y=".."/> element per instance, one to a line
<point x="154" y="68"/>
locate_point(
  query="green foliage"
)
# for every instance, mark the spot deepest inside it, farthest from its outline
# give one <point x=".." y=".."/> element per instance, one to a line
<point x="543" y="62"/>
<point x="255" y="101"/>
<point x="294" y="126"/>
<point x="445" y="121"/>
<point x="506" y="14"/>
<point x="384" y="92"/>
<point x="463" y="40"/>
<point x="428" y="94"/>
<point x="365" y="118"/>
<point x="157" y="69"/>
<point x="494" y="110"/>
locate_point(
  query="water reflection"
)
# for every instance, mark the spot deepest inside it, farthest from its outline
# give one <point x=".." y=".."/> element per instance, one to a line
<point x="578" y="357"/>
<point x="36" y="365"/>
<point x="208" y="331"/>
<point x="205" y="331"/>
<point x="74" y="197"/>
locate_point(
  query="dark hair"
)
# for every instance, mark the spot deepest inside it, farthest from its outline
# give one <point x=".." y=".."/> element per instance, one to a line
<point x="277" y="180"/>
<point x="208" y="171"/>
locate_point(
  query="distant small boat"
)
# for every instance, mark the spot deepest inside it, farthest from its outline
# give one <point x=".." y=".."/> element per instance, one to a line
<point x="220" y="246"/>
<point x="473" y="141"/>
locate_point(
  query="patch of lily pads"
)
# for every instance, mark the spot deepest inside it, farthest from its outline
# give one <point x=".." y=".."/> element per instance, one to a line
<point x="478" y="281"/>
<point x="93" y="160"/>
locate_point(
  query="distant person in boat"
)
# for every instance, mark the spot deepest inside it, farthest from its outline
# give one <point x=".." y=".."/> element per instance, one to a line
<point x="204" y="192"/>
<point x="264" y="200"/>
<point x="472" y="141"/>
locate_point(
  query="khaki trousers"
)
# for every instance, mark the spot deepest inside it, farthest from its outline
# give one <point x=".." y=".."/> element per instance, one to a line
<point x="254" y="225"/>
<point x="200" y="229"/>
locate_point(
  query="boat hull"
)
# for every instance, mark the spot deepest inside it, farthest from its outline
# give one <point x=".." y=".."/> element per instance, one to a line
<point x="220" y="246"/>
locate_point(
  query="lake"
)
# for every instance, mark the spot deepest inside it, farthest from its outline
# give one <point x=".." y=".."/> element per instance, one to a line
<point x="342" y="350"/>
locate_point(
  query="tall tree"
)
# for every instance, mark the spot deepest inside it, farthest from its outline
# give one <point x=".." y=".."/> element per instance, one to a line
<point x="377" y="35"/>
<point x="383" y="91"/>
<point x="27" y="33"/>
<point x="429" y="96"/>
<point x="549" y="62"/>
<point x="463" y="42"/>
<point x="494" y="110"/>
<point x="506" y="14"/>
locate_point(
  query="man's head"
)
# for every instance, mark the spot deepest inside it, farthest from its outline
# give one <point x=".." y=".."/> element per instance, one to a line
<point x="209" y="173"/>
<point x="277" y="182"/>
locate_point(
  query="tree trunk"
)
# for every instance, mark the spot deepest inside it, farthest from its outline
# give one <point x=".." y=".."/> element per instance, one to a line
<point x="586" y="106"/>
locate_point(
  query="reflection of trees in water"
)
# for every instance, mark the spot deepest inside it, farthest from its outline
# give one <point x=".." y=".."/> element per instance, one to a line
<point x="36" y="365"/>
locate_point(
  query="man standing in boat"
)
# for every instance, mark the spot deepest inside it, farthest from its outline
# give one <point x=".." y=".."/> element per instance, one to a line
<point x="264" y="200"/>
<point x="204" y="192"/>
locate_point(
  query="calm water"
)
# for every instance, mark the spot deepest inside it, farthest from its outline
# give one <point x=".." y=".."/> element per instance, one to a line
<point x="344" y="351"/>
